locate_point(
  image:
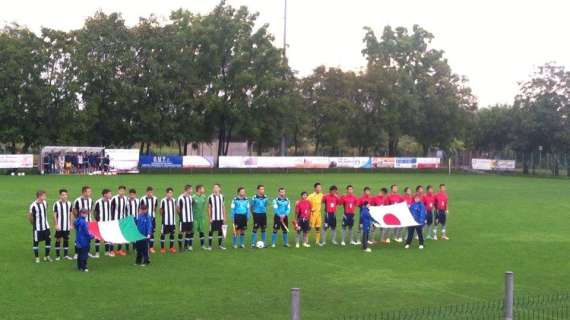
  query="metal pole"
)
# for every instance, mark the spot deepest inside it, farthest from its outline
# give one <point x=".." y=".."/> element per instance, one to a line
<point x="509" y="295"/>
<point x="295" y="304"/>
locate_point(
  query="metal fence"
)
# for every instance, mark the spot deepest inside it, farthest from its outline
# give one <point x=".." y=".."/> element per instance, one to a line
<point x="555" y="306"/>
<point x="551" y="306"/>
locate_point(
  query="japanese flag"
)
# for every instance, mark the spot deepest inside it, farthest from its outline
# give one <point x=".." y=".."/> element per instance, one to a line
<point x="393" y="216"/>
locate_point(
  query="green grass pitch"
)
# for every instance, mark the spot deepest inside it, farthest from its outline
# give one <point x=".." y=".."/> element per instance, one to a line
<point x="495" y="224"/>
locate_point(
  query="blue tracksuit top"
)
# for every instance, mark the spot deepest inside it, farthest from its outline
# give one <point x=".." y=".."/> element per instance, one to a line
<point x="418" y="211"/>
<point x="240" y="206"/>
<point x="259" y="204"/>
<point x="144" y="224"/>
<point x="82" y="236"/>
<point x="365" y="218"/>
<point x="281" y="206"/>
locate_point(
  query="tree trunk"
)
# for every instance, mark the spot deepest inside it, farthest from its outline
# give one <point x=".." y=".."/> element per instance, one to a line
<point x="259" y="148"/>
<point x="425" y="149"/>
<point x="13" y="147"/>
<point x="317" y="143"/>
<point x="221" y="137"/>
<point x="525" y="163"/>
<point x="148" y="148"/>
<point x="141" y="149"/>
<point x="296" y="141"/>
<point x="185" y="147"/>
<point x="392" y="146"/>
<point x="179" y="144"/>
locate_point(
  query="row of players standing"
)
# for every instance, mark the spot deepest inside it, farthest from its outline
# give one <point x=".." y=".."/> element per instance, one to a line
<point x="192" y="209"/>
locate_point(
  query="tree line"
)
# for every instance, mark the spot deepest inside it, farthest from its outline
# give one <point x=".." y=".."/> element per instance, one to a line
<point x="218" y="76"/>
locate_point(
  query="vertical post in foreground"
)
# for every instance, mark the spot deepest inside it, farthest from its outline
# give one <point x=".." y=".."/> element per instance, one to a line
<point x="509" y="295"/>
<point x="295" y="304"/>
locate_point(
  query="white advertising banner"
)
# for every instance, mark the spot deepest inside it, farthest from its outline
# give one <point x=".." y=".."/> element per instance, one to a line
<point x="123" y="160"/>
<point x="197" y="162"/>
<point x="489" y="165"/>
<point x="427" y="163"/>
<point x="483" y="164"/>
<point x="16" y="161"/>
<point x="294" y="162"/>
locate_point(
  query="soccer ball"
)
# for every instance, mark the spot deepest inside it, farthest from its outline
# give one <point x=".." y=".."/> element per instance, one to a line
<point x="260" y="244"/>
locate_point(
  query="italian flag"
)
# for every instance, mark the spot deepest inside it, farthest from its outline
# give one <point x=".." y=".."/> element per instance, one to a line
<point x="116" y="231"/>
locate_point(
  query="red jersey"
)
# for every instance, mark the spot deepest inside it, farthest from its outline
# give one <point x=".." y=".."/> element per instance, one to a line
<point x="303" y="209"/>
<point x="429" y="201"/>
<point x="394" y="198"/>
<point x="409" y="199"/>
<point x="441" y="200"/>
<point x="331" y="201"/>
<point x="379" y="200"/>
<point x="350" y="202"/>
<point x="365" y="198"/>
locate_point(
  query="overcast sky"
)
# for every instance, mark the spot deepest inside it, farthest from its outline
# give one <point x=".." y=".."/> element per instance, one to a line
<point x="495" y="44"/>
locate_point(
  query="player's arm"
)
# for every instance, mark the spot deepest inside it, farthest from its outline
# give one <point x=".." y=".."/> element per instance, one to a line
<point x="30" y="217"/>
<point x="209" y="211"/>
<point x="224" y="212"/>
<point x="162" y="210"/>
<point x="288" y="207"/>
<point x="55" y="218"/>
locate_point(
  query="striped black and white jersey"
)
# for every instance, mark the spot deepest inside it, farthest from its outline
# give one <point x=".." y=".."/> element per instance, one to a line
<point x="169" y="211"/>
<point x="185" y="207"/>
<point x="38" y="210"/>
<point x="62" y="212"/>
<point x="216" y="201"/>
<point x="133" y="207"/>
<point x="83" y="203"/>
<point x="119" y="207"/>
<point x="102" y="210"/>
<point x="151" y="203"/>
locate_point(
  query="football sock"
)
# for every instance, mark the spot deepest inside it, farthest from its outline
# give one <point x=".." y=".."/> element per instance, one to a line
<point x="36" y="249"/>
<point x="333" y="235"/>
<point x="263" y="236"/>
<point x="210" y="238"/>
<point x="97" y="244"/>
<point x="180" y="240"/>
<point x="318" y="235"/>
<point x="220" y="237"/>
<point x="171" y="241"/>
<point x="190" y="239"/>
<point x="202" y="239"/>
<point x="57" y="248"/>
<point x="241" y="239"/>
<point x="274" y="238"/>
<point x="65" y="247"/>
<point x="343" y="234"/>
<point x="47" y="246"/>
<point x="162" y="237"/>
<point x="234" y="240"/>
<point x="286" y="238"/>
<point x="253" y="238"/>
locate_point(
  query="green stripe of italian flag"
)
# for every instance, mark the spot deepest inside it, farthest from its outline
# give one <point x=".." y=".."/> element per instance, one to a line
<point x="116" y="231"/>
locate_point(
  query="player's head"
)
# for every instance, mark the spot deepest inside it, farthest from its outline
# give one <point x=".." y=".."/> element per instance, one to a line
<point x="408" y="191"/>
<point x="349" y="189"/>
<point x="86" y="191"/>
<point x="366" y="190"/>
<point x="365" y="203"/>
<point x="429" y="188"/>
<point x="281" y="192"/>
<point x="200" y="189"/>
<point x="217" y="188"/>
<point x="442" y="187"/>
<point x="41" y="195"/>
<point x="106" y="193"/>
<point x="304" y="195"/>
<point x="132" y="193"/>
<point x="122" y="190"/>
<point x="333" y="189"/>
<point x="384" y="191"/>
<point x="142" y="208"/>
<point x="420" y="189"/>
<point x="394" y="188"/>
<point x="260" y="189"/>
<point x="63" y="195"/>
<point x="169" y="192"/>
<point x="188" y="189"/>
<point x="149" y="191"/>
<point x="241" y="192"/>
<point x="317" y="187"/>
<point x="83" y="212"/>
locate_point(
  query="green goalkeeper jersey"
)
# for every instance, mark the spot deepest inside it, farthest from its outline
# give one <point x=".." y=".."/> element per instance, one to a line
<point x="199" y="205"/>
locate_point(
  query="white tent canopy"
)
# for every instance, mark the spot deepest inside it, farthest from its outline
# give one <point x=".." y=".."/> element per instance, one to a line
<point x="70" y="149"/>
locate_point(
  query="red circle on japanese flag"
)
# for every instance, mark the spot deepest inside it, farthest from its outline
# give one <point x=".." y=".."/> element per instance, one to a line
<point x="391" y="219"/>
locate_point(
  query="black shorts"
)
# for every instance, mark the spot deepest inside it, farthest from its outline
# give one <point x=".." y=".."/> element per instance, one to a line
<point x="186" y="227"/>
<point x="167" y="229"/>
<point x="330" y="220"/>
<point x="216" y="225"/>
<point x="304" y="225"/>
<point x="441" y="217"/>
<point x="278" y="225"/>
<point x="41" y="235"/>
<point x="429" y="217"/>
<point x="259" y="221"/>
<point x="62" y="234"/>
<point x="348" y="220"/>
<point x="240" y="221"/>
